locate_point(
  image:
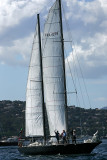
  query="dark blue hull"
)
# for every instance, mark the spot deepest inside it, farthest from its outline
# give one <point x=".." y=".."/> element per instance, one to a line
<point x="82" y="148"/>
<point x="8" y="143"/>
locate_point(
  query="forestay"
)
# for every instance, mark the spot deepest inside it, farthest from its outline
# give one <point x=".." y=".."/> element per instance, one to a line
<point x="53" y="71"/>
<point x="34" y="116"/>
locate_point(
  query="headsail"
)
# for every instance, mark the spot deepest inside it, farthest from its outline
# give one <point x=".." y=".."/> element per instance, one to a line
<point x="53" y="71"/>
<point x="34" y="96"/>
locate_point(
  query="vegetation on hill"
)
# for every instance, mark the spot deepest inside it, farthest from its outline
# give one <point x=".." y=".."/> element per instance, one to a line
<point x="12" y="115"/>
<point x="85" y="121"/>
<point x="88" y="121"/>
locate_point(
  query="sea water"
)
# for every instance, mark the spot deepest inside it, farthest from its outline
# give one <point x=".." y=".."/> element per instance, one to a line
<point x="12" y="153"/>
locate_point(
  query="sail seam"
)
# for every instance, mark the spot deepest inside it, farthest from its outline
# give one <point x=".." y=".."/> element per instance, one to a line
<point x="52" y="66"/>
<point x="52" y="23"/>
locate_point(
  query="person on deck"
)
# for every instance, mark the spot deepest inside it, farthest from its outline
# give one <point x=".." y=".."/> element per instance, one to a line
<point x="57" y="136"/>
<point x="71" y="134"/>
<point x="74" y="137"/>
<point x="64" y="136"/>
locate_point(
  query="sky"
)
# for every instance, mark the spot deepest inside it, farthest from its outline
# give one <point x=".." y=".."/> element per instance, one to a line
<point x="86" y="54"/>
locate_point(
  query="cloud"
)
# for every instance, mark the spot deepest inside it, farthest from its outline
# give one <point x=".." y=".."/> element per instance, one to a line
<point x="12" y="11"/>
<point x="87" y="21"/>
<point x="16" y="21"/>
<point x="86" y="18"/>
<point x="17" y="53"/>
<point x="88" y="25"/>
<point x="92" y="55"/>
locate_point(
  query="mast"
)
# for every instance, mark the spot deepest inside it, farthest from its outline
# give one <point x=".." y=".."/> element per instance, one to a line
<point x="61" y="26"/>
<point x="43" y="106"/>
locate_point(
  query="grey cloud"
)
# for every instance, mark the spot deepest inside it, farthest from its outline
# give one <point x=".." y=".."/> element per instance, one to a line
<point x="23" y="29"/>
<point x="98" y="69"/>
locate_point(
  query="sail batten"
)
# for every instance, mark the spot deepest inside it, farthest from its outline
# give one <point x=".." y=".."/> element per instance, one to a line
<point x="53" y="71"/>
<point x="34" y="95"/>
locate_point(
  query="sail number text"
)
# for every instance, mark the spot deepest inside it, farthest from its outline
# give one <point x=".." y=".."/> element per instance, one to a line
<point x="51" y="34"/>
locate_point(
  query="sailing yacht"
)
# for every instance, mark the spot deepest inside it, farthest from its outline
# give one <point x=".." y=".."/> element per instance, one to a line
<point x="47" y="85"/>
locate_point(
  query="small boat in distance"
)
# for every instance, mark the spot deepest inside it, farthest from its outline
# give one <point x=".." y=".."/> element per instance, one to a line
<point x="13" y="141"/>
<point x="47" y="85"/>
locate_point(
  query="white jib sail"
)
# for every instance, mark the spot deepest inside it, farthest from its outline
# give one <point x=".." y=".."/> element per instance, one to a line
<point x="34" y="116"/>
<point x="53" y="71"/>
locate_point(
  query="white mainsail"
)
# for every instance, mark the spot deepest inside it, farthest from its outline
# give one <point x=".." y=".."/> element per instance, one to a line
<point x="53" y="71"/>
<point x="34" y="99"/>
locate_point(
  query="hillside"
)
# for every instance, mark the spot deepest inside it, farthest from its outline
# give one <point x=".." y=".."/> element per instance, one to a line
<point x="104" y="107"/>
<point x="12" y="115"/>
<point x="88" y="121"/>
<point x="85" y="121"/>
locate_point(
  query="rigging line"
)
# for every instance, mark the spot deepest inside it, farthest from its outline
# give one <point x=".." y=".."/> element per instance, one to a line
<point x="78" y="101"/>
<point x="44" y="8"/>
<point x="73" y="80"/>
<point x="69" y="35"/>
<point x="79" y="65"/>
<point x="83" y="79"/>
<point x="71" y="73"/>
<point x="77" y="78"/>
